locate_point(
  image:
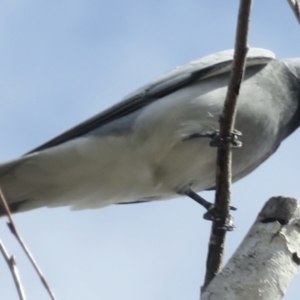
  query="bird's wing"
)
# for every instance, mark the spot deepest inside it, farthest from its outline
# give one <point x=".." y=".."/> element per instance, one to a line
<point x="208" y="66"/>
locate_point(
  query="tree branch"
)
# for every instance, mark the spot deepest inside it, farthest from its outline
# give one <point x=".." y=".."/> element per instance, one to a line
<point x="267" y="260"/>
<point x="14" y="231"/>
<point x="224" y="157"/>
<point x="14" y="271"/>
<point x="295" y="6"/>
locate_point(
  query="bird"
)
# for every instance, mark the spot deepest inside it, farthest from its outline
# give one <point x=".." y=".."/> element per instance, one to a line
<point x="156" y="143"/>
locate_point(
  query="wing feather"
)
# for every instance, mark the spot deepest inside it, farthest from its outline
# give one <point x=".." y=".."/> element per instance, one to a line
<point x="208" y="66"/>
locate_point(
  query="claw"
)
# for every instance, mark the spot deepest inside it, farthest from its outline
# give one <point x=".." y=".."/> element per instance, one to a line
<point x="211" y="213"/>
<point x="216" y="141"/>
<point x="233" y="139"/>
<point x="211" y="216"/>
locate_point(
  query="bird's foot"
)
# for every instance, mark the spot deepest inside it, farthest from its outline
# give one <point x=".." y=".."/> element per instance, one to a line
<point x="216" y="140"/>
<point x="211" y="214"/>
<point x="233" y="139"/>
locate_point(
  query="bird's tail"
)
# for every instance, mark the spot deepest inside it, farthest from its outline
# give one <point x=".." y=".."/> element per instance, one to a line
<point x="15" y="191"/>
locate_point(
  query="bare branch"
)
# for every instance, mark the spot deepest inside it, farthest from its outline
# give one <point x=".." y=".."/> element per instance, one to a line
<point x="267" y="260"/>
<point x="14" y="271"/>
<point x="13" y="229"/>
<point x="224" y="157"/>
<point x="295" y="6"/>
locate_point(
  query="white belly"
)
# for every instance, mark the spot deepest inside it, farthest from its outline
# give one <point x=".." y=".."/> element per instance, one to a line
<point x="149" y="161"/>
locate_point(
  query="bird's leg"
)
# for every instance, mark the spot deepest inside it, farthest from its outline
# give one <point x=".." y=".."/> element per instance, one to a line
<point x="191" y="194"/>
<point x="211" y="213"/>
<point x="216" y="141"/>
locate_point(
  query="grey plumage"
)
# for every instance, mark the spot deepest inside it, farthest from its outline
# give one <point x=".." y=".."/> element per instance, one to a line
<point x="139" y="150"/>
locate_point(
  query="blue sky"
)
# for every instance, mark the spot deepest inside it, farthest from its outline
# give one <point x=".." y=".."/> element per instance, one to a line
<point x="64" y="61"/>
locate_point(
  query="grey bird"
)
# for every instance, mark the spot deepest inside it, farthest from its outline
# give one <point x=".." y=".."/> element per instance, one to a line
<point x="155" y="143"/>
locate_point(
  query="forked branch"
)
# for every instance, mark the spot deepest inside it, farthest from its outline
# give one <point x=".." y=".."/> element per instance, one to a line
<point x="10" y="260"/>
<point x="15" y="232"/>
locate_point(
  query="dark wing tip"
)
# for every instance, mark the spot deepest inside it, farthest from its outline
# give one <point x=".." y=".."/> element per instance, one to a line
<point x="13" y="207"/>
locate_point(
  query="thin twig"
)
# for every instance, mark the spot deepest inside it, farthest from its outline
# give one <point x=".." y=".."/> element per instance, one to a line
<point x="295" y="6"/>
<point x="14" y="271"/>
<point x="13" y="229"/>
<point x="224" y="157"/>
